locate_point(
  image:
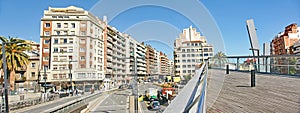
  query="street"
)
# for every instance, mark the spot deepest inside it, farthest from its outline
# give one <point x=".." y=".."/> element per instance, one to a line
<point x="115" y="102"/>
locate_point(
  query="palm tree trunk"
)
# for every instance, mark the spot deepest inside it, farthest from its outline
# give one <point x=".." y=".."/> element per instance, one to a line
<point x="12" y="80"/>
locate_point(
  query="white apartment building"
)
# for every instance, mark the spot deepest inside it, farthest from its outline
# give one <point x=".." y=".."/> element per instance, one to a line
<point x="170" y="67"/>
<point x="190" y="48"/>
<point x="137" y="50"/>
<point x="72" y="42"/>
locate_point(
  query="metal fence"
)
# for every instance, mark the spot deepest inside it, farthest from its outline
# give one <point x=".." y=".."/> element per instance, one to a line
<point x="279" y="64"/>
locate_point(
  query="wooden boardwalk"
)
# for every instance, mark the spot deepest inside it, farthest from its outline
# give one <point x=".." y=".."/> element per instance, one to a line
<point x="271" y="94"/>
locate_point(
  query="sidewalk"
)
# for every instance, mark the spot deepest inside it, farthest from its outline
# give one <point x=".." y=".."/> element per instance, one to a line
<point x="27" y="96"/>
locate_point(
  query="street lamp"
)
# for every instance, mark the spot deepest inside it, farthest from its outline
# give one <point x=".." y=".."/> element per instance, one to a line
<point x="45" y="78"/>
<point x="5" y="76"/>
<point x="253" y="49"/>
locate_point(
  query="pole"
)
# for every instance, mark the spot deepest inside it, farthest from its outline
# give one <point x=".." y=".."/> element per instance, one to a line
<point x="45" y="75"/>
<point x="135" y="86"/>
<point x="252" y="78"/>
<point x="5" y="78"/>
<point x="70" y="75"/>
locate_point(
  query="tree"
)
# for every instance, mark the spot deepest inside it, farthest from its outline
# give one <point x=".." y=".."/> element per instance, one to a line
<point x="219" y="59"/>
<point x="15" y="57"/>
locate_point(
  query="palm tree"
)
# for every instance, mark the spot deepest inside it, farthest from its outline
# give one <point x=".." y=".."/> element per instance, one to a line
<point x="219" y="59"/>
<point x="15" y="56"/>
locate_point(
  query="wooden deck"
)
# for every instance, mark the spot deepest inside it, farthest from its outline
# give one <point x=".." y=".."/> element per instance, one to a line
<point x="271" y="94"/>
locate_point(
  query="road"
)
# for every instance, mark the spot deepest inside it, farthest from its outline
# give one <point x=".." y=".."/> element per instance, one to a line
<point x="141" y="89"/>
<point x="115" y="102"/>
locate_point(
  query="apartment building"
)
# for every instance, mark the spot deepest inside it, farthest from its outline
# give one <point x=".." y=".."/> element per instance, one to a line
<point x="115" y="55"/>
<point x="151" y="61"/>
<point x="190" y="48"/>
<point x="163" y="64"/>
<point x="72" y="43"/>
<point x="170" y="67"/>
<point x="283" y="43"/>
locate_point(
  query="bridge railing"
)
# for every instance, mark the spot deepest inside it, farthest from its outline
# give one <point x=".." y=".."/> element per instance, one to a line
<point x="279" y="64"/>
<point x="192" y="97"/>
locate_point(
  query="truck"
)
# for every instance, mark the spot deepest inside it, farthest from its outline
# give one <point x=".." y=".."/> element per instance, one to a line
<point x="153" y="93"/>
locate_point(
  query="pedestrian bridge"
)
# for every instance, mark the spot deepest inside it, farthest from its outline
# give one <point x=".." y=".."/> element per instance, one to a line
<point x="212" y="90"/>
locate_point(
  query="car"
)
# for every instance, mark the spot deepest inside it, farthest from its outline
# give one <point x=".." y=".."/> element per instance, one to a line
<point x="155" y="105"/>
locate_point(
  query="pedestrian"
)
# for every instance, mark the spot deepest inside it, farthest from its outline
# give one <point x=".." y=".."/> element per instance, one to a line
<point x="76" y="92"/>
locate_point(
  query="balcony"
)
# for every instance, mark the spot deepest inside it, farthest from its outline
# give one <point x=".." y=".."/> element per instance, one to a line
<point x="20" y="79"/>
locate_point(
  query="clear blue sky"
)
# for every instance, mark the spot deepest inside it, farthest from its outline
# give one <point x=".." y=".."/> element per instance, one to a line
<point x="21" y="18"/>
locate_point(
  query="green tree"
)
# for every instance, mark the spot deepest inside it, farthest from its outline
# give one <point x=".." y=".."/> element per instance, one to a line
<point x="15" y="56"/>
<point x="219" y="59"/>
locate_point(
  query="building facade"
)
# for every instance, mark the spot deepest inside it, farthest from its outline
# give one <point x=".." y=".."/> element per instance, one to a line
<point x="151" y="60"/>
<point x="163" y="64"/>
<point x="283" y="43"/>
<point x="190" y="48"/>
<point x="72" y="47"/>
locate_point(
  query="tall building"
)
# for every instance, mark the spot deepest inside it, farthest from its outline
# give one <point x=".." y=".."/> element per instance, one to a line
<point x="114" y="55"/>
<point x="283" y="42"/>
<point x="151" y="60"/>
<point x="163" y="64"/>
<point x="190" y="48"/>
<point x="71" y="42"/>
<point x="170" y="67"/>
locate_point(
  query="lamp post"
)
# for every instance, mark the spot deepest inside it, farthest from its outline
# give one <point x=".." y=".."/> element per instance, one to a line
<point x="45" y="78"/>
<point x="5" y="76"/>
<point x="257" y="58"/>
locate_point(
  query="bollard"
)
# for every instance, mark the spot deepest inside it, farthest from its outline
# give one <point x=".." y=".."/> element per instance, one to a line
<point x="252" y="78"/>
<point x="227" y="69"/>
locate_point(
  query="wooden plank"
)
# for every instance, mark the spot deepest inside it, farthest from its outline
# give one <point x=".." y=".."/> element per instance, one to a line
<point x="271" y="94"/>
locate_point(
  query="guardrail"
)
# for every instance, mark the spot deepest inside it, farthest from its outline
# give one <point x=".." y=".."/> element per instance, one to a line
<point x="193" y="95"/>
<point x="72" y="106"/>
<point x="29" y="102"/>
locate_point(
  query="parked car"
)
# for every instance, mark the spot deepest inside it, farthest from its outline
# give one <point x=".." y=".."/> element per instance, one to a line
<point x="155" y="105"/>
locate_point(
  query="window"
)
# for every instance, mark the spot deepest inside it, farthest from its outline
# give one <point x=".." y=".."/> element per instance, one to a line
<point x="82" y="33"/>
<point x="188" y="60"/>
<point x="183" y="55"/>
<point x="188" y="55"/>
<point x="32" y="74"/>
<point x="47" y="33"/>
<point x="82" y="25"/>
<point x="184" y="71"/>
<point x="188" y="50"/>
<point x="73" y="25"/>
<point x="82" y="66"/>
<point x="57" y="32"/>
<point x="82" y="41"/>
<point x="58" y="25"/>
<point x="65" y="32"/>
<point x="47" y="25"/>
<point x="183" y="50"/>
<point x="189" y="71"/>
<point x="193" y="55"/>
<point x="55" y="58"/>
<point x="33" y="65"/>
<point x="46" y="50"/>
<point x="46" y="41"/>
<point x="54" y="16"/>
<point x="46" y="58"/>
<point x="70" y="50"/>
<point x="72" y="33"/>
<point x="193" y="60"/>
<point x="189" y="66"/>
<point x="55" y="50"/>
<point x="65" y="41"/>
<point x="55" y="41"/>
<point x="192" y="50"/>
<point x="65" y="25"/>
<point x="183" y="60"/>
<point x="183" y="66"/>
<point x="82" y="49"/>
<point x="82" y="57"/>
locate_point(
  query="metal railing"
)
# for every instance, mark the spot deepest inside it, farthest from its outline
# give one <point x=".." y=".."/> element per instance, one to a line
<point x="279" y="64"/>
<point x="192" y="98"/>
<point x="74" y="105"/>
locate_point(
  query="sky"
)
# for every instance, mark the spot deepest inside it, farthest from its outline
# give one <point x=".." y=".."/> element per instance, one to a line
<point x="159" y="25"/>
